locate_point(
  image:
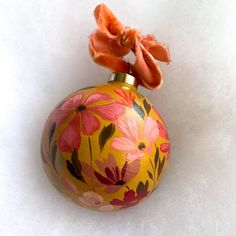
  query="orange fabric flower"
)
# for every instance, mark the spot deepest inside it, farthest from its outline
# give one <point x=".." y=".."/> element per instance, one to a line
<point x="112" y="41"/>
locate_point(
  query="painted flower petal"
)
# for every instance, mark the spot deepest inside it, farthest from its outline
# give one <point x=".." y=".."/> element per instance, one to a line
<point x="132" y="170"/>
<point x="72" y="103"/>
<point x="97" y="97"/>
<point x="165" y="147"/>
<point x="132" y="156"/>
<point x="102" y="179"/>
<point x="109" y="174"/>
<point x="110" y="163"/>
<point x="59" y="116"/>
<point x="129" y="128"/>
<point x="118" y="202"/>
<point x="91" y="198"/>
<point x="123" y="144"/>
<point x="113" y="188"/>
<point x="150" y="129"/>
<point x="110" y="111"/>
<point x="88" y="170"/>
<point x="90" y="123"/>
<point x="70" y="137"/>
<point x="123" y="171"/>
<point x="129" y="196"/>
<point x="162" y="130"/>
<point x="106" y="208"/>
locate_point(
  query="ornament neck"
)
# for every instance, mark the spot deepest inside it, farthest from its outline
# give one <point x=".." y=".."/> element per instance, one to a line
<point x="123" y="78"/>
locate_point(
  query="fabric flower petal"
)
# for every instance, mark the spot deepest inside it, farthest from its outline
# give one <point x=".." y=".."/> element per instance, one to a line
<point x="106" y="20"/>
<point x="112" y="41"/>
<point x="158" y="50"/>
<point x="107" y="45"/>
<point x="107" y="60"/>
<point x="145" y="69"/>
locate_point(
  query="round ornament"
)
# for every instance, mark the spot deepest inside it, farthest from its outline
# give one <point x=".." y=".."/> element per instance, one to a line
<point x="105" y="147"/>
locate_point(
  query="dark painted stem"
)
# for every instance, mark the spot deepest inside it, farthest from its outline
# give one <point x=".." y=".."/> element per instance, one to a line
<point x="154" y="173"/>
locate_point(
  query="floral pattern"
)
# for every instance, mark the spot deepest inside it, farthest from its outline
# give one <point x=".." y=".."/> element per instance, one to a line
<point x="131" y="197"/>
<point x="85" y="112"/>
<point x="109" y="174"/>
<point x="106" y="147"/>
<point x="94" y="200"/>
<point x="136" y="141"/>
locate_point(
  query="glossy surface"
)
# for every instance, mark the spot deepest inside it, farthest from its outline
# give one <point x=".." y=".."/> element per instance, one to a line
<point x="105" y="147"/>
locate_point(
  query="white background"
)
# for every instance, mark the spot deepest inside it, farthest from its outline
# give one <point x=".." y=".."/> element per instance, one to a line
<point x="44" y="57"/>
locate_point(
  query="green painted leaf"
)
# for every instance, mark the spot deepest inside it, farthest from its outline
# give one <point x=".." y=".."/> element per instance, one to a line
<point x="88" y="87"/>
<point x="156" y="157"/>
<point x="60" y="162"/>
<point x="140" y="187"/>
<point x="138" y="109"/>
<point x="147" y="106"/>
<point x="76" y="162"/>
<point x="106" y="134"/>
<point x="53" y="154"/>
<point x="161" y="165"/>
<point x="150" y="175"/>
<point x="51" y="132"/>
<point x="73" y="172"/>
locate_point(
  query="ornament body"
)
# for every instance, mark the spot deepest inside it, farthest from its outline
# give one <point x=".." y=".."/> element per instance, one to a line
<point x="105" y="147"/>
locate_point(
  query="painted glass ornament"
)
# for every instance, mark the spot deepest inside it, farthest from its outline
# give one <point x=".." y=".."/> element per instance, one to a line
<point x="106" y="146"/>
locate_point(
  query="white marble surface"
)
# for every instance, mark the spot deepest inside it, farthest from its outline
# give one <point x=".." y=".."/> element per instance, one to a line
<point x="43" y="57"/>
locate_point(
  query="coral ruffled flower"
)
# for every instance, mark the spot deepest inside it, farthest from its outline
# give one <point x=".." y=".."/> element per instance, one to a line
<point x="85" y="113"/>
<point x="110" y="175"/>
<point x="136" y="141"/>
<point x="112" y="41"/>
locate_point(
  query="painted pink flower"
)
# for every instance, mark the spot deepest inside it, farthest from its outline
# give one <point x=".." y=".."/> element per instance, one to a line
<point x="92" y="199"/>
<point x="84" y="113"/>
<point x="110" y="175"/>
<point x="136" y="140"/>
<point x="165" y="147"/>
<point x="126" y="98"/>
